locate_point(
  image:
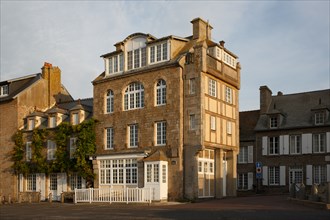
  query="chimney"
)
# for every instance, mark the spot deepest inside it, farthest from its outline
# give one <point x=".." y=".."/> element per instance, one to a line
<point x="265" y="99"/>
<point x="201" y="29"/>
<point x="53" y="77"/>
<point x="222" y="43"/>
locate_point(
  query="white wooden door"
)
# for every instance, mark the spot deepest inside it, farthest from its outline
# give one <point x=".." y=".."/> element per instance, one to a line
<point x="53" y="186"/>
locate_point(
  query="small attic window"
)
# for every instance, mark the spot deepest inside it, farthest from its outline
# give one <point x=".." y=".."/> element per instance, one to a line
<point x="31" y="124"/>
<point x="52" y="121"/>
<point x="75" y="119"/>
<point x="273" y="121"/>
<point x="4" y="90"/>
<point x="319" y="117"/>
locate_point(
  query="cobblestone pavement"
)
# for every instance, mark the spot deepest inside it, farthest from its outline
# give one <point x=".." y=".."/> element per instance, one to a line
<point x="241" y="208"/>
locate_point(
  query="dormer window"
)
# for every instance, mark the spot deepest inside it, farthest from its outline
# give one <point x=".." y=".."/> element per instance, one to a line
<point x="31" y="124"/>
<point x="273" y="121"/>
<point x="52" y="122"/>
<point x="136" y="58"/>
<point x="158" y="53"/>
<point x="319" y="117"/>
<point x="4" y="90"/>
<point x="75" y="118"/>
<point x="116" y="64"/>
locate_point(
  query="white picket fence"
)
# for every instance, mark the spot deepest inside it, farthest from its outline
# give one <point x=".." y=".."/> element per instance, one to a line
<point x="124" y="195"/>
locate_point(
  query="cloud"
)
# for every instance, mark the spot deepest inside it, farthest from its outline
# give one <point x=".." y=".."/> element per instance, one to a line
<point x="282" y="44"/>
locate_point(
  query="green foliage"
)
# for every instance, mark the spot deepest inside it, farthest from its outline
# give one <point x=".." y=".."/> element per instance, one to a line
<point x="85" y="147"/>
<point x="18" y="154"/>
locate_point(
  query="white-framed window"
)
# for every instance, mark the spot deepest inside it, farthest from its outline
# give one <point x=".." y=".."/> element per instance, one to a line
<point x="31" y="184"/>
<point x="273" y="121"/>
<point x="53" y="181"/>
<point x="242" y="181"/>
<point x="274" y="175"/>
<point x="133" y="135"/>
<point x="4" y="90"/>
<point x="28" y="151"/>
<point x="212" y="123"/>
<point x="75" y="118"/>
<point x="319" y="143"/>
<point x="161" y="92"/>
<point x="192" y="86"/>
<point x="229" y="127"/>
<point x="75" y="181"/>
<point x="31" y="124"/>
<point x="192" y="122"/>
<point x="212" y="87"/>
<point x="118" y="171"/>
<point x="136" y="58"/>
<point x="274" y="145"/>
<point x="228" y="59"/>
<point x="73" y="146"/>
<point x="206" y="162"/>
<point x="134" y="96"/>
<point x="319" y="174"/>
<point x="109" y="132"/>
<point x="229" y="95"/>
<point x="51" y="150"/>
<point x="243" y="154"/>
<point x="153" y="173"/>
<point x="161" y="133"/>
<point x="52" y="122"/>
<point x="319" y="118"/>
<point x="164" y="173"/>
<point x="116" y="63"/>
<point x="295" y="144"/>
<point x="109" y="102"/>
<point x="158" y="53"/>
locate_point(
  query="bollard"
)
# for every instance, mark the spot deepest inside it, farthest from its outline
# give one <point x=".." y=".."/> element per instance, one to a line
<point x="9" y="198"/>
<point x="50" y="198"/>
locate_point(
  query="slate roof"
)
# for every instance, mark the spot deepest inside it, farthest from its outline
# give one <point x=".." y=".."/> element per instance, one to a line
<point x="297" y="109"/>
<point x="17" y="85"/>
<point x="247" y="123"/>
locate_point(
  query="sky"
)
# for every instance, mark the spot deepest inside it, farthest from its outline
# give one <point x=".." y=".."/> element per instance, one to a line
<point x="281" y="44"/>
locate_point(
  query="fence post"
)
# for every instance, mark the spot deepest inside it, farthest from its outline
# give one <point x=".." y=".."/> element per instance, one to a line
<point x="90" y="195"/>
<point x="110" y="195"/>
<point x="126" y="195"/>
<point x="75" y="196"/>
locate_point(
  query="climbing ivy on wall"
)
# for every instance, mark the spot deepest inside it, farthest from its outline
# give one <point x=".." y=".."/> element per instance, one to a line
<point x="85" y="147"/>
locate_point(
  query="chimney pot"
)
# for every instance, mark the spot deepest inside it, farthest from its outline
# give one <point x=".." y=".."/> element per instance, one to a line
<point x="222" y="43"/>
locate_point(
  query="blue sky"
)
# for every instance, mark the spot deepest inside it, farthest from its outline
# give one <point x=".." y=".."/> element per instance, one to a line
<point x="281" y="44"/>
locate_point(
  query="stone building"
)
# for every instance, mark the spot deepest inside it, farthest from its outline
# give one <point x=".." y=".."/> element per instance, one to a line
<point x="54" y="179"/>
<point x="18" y="97"/>
<point x="168" y="116"/>
<point x="290" y="141"/>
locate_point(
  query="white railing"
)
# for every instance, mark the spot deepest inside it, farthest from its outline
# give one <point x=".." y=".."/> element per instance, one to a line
<point x="124" y="195"/>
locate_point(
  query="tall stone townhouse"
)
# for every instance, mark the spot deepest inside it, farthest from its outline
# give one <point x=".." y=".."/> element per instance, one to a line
<point x="287" y="141"/>
<point x="168" y="116"/>
<point x="18" y="97"/>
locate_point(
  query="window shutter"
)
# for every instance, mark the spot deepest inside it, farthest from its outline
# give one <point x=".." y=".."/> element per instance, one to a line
<point x="38" y="182"/>
<point x="328" y="172"/>
<point x="21" y="182"/>
<point x="307" y="143"/>
<point x="250" y="154"/>
<point x="265" y="175"/>
<point x="83" y="183"/>
<point x="281" y="144"/>
<point x="42" y="178"/>
<point x="309" y="175"/>
<point x="264" y="145"/>
<point x="286" y="144"/>
<point x="250" y="180"/>
<point x="328" y="142"/>
<point x="282" y="175"/>
<point x="63" y="183"/>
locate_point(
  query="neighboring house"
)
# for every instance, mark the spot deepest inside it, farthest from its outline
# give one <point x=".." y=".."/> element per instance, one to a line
<point x="292" y="139"/>
<point x="168" y="116"/>
<point x="18" y="97"/>
<point x="55" y="178"/>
